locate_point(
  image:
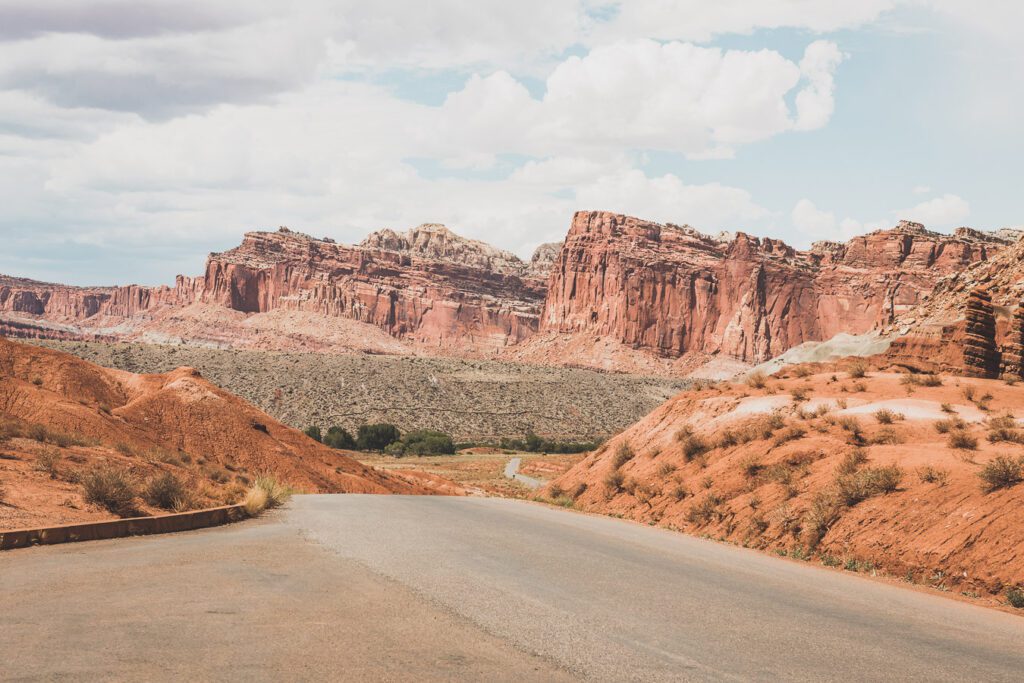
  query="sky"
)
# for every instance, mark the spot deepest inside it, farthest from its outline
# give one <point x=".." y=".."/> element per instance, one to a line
<point x="137" y="136"/>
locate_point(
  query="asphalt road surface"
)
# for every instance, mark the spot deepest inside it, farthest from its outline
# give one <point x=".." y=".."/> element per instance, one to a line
<point x="430" y="588"/>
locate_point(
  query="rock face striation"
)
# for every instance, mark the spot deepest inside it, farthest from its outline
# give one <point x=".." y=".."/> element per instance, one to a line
<point x="617" y="290"/>
<point x="427" y="285"/>
<point x="671" y="290"/>
<point x="981" y="356"/>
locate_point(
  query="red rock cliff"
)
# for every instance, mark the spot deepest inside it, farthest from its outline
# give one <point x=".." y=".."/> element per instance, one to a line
<point x="671" y="289"/>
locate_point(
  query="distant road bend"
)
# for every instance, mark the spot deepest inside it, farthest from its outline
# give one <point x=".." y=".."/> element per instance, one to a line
<point x="430" y="588"/>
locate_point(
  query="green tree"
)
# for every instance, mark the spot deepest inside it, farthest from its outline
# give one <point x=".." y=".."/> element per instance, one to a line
<point x="428" y="442"/>
<point x="313" y="432"/>
<point x="340" y="438"/>
<point x="377" y="437"/>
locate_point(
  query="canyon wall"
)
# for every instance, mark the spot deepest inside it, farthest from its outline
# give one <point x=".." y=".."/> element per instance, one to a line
<point x="671" y="290"/>
<point x="427" y="285"/>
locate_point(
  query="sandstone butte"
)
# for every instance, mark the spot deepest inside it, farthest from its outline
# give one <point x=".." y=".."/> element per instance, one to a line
<point x="859" y="473"/>
<point x="619" y="293"/>
<point x="61" y="418"/>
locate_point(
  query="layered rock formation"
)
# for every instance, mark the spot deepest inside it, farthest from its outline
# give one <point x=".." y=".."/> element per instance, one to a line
<point x="981" y="357"/>
<point x="427" y="285"/>
<point x="620" y="293"/>
<point x="672" y="290"/>
<point x="1012" y="359"/>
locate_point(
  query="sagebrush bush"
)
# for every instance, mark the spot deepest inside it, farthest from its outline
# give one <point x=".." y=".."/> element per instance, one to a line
<point x="933" y="475"/>
<point x="791" y="433"/>
<point x="265" y="493"/>
<point x="757" y="380"/>
<point x="1001" y="472"/>
<point x="694" y="447"/>
<point x="615" y="480"/>
<point x="887" y="417"/>
<point x="825" y="510"/>
<point x="165" y="491"/>
<point x="623" y="454"/>
<point x="949" y="425"/>
<point x="858" y="369"/>
<point x="960" y="439"/>
<point x="1015" y="597"/>
<point x="112" y="489"/>
<point x="48" y="462"/>
<point x="871" y="481"/>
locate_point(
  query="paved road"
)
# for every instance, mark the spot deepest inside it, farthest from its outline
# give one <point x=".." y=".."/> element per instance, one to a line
<point x="512" y="472"/>
<point x="406" y="588"/>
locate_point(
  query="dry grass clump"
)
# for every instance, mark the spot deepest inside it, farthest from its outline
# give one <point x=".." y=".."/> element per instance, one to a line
<point x="825" y="510"/>
<point x="858" y="370"/>
<point x="871" y="481"/>
<point x="852" y="461"/>
<point x="1001" y="472"/>
<point x="933" y="475"/>
<point x="665" y="469"/>
<point x="623" y="454"/>
<point x="852" y="426"/>
<point x="614" y="480"/>
<point x="265" y="493"/>
<point x="887" y="417"/>
<point x="947" y="408"/>
<point x="706" y="510"/>
<point x="929" y="380"/>
<point x="799" y="394"/>
<point x="960" y="439"/>
<point x="791" y="433"/>
<point x="1004" y="428"/>
<point x="43" y="434"/>
<point x="694" y="447"/>
<point x="757" y="380"/>
<point x="48" y="462"/>
<point x="112" y="489"/>
<point x="950" y="425"/>
<point x="166" y="491"/>
<point x="802" y="371"/>
<point x="886" y="436"/>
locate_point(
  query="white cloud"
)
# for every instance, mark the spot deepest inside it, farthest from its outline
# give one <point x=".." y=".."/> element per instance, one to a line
<point x="668" y="199"/>
<point x="940" y="213"/>
<point x="922" y="189"/>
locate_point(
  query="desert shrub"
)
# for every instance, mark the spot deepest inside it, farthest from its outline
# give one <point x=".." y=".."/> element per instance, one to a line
<point x="728" y="438"/>
<point x="1001" y="472"/>
<point x="751" y="467"/>
<point x="707" y="482"/>
<point x="124" y="448"/>
<point x="665" y="469"/>
<point x="273" y="493"/>
<point x="871" y="481"/>
<point x="949" y="425"/>
<point x="858" y="369"/>
<point x="858" y="387"/>
<point x="852" y="461"/>
<point x="104" y="408"/>
<point x="947" y="408"/>
<point x="165" y="491"/>
<point x="623" y="454"/>
<point x="423" y="442"/>
<point x="933" y="475"/>
<point x="615" y="480"/>
<point x="705" y="511"/>
<point x="799" y="394"/>
<point x="578" y="490"/>
<point x="1008" y="435"/>
<point x="1005" y="421"/>
<point x="960" y="439"/>
<point x="219" y="476"/>
<point x="48" y="460"/>
<point x="825" y="510"/>
<point x="113" y="489"/>
<point x="313" y="432"/>
<point x="1015" y="597"/>
<point x="887" y="417"/>
<point x="757" y="380"/>
<point x="968" y="392"/>
<point x="802" y="371"/>
<point x="694" y="447"/>
<point x="679" y="492"/>
<point x="37" y="432"/>
<point x="886" y="435"/>
<point x="376" y="437"/>
<point x="791" y="433"/>
<point x="852" y="426"/>
<point x="929" y="380"/>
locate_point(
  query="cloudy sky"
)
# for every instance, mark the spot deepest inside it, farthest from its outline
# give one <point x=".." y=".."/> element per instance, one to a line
<point x="136" y="136"/>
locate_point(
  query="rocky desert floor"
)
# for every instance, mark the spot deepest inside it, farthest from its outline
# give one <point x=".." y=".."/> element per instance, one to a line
<point x="478" y="471"/>
<point x="470" y="399"/>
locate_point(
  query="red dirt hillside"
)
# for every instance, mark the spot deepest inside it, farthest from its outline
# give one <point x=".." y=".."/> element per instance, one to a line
<point x="62" y="418"/>
<point x="917" y="476"/>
